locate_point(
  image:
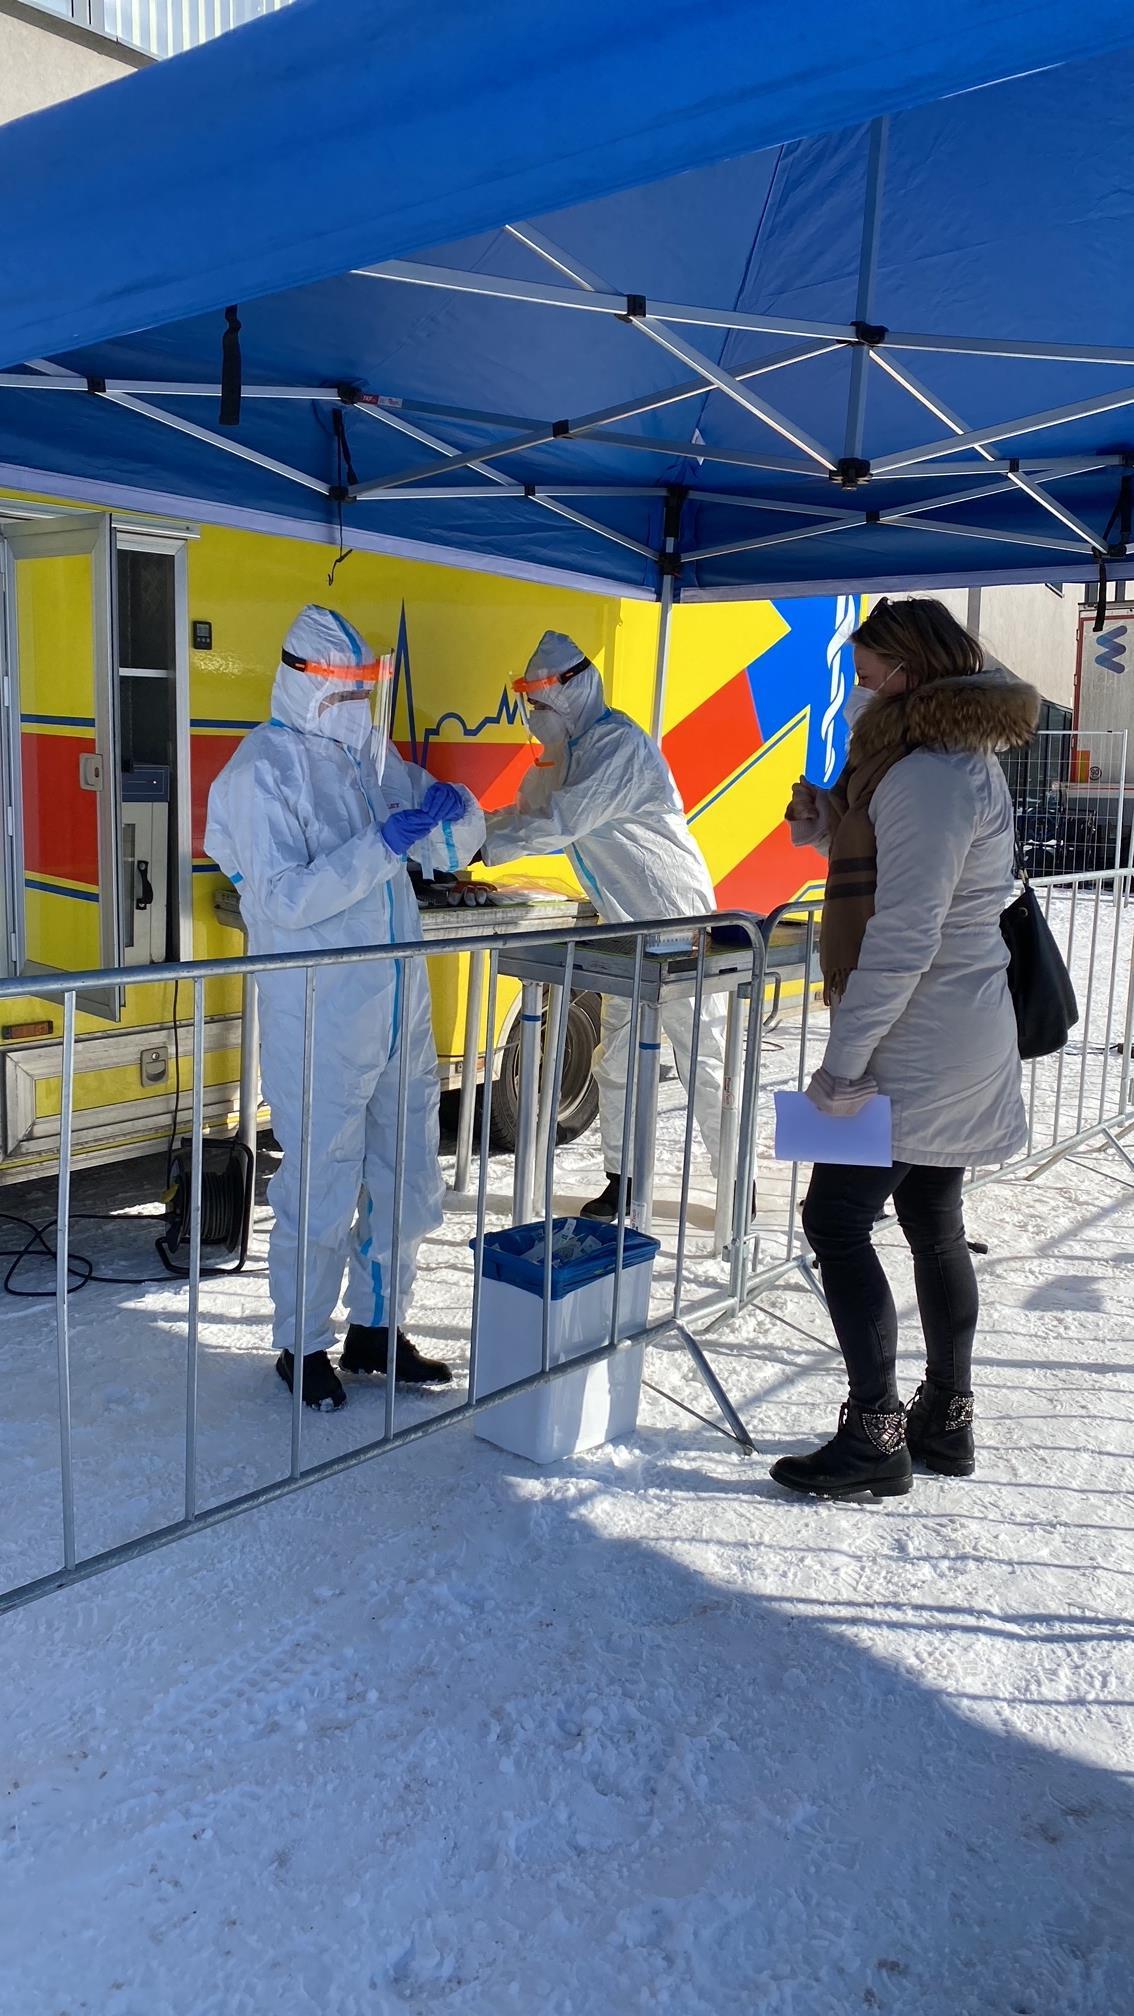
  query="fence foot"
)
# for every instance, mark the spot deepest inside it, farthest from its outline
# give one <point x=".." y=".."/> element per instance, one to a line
<point x="734" y="1425"/>
<point x="1118" y="1147"/>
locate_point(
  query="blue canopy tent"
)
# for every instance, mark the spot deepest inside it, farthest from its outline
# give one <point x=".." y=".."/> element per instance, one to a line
<point x="599" y="295"/>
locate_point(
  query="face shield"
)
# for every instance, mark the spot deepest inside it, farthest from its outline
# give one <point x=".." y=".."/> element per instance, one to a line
<point x="544" y="720"/>
<point x="352" y="704"/>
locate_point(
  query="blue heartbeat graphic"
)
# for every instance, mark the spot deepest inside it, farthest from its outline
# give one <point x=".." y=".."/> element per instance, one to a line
<point x="506" y="715"/>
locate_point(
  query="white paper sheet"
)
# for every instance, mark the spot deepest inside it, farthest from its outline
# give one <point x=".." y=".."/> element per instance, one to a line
<point x="803" y="1134"/>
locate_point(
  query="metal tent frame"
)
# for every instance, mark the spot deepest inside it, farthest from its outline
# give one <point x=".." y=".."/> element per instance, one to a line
<point x="956" y="468"/>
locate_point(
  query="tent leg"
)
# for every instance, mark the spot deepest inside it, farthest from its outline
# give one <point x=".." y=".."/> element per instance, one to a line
<point x="661" y="662"/>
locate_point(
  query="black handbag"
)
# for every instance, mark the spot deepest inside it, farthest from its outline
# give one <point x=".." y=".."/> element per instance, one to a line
<point x="1038" y="980"/>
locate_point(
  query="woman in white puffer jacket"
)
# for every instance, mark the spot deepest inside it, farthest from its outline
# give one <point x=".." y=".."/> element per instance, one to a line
<point x="920" y="834"/>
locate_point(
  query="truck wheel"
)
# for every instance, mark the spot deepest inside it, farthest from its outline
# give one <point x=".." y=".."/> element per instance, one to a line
<point x="578" y="1103"/>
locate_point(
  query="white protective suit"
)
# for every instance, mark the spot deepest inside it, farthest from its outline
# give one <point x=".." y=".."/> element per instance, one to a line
<point x="294" y="820"/>
<point x="608" y="799"/>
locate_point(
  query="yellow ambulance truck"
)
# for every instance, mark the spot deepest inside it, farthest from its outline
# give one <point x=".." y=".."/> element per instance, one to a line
<point x="136" y="653"/>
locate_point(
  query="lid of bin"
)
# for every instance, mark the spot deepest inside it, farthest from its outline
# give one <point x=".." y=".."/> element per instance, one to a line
<point x="506" y="1255"/>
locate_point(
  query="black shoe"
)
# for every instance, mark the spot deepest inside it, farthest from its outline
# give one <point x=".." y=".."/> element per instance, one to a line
<point x="368" y="1350"/>
<point x="867" y="1454"/>
<point x="939" y="1430"/>
<point x="606" y="1204"/>
<point x="321" y="1388"/>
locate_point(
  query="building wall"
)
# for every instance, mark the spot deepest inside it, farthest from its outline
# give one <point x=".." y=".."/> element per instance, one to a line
<point x="1030" y="629"/>
<point x="43" y="61"/>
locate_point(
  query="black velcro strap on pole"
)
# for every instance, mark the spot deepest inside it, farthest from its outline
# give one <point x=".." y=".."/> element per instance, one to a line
<point x="346" y="466"/>
<point x="1100" y="605"/>
<point x="229" y="415"/>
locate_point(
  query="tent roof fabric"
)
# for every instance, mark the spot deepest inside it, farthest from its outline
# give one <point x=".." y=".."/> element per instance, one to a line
<point x="640" y="288"/>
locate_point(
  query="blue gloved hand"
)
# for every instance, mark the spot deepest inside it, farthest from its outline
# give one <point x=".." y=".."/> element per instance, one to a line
<point x="403" y="830"/>
<point x="444" y="801"/>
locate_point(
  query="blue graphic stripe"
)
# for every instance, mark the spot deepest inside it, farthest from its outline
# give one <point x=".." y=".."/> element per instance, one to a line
<point x="207" y="721"/>
<point x="57" y="889"/>
<point x="57" y="721"/>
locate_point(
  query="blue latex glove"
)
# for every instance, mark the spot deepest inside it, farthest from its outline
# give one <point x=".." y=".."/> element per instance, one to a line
<point x="403" y="830"/>
<point x="444" y="801"/>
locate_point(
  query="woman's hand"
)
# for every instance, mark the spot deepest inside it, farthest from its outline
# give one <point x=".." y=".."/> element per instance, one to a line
<point x="842" y="1098"/>
<point x="804" y="806"/>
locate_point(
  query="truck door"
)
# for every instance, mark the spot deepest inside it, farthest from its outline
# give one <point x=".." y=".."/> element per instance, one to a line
<point x="64" y="888"/>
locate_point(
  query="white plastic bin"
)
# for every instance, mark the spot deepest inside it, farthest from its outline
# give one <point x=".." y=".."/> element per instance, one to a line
<point x="582" y="1409"/>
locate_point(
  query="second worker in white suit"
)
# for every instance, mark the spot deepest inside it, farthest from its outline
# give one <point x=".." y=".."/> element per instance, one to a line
<point x="605" y="795"/>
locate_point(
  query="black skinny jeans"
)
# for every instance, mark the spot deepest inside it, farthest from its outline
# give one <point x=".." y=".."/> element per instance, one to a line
<point x="838" y="1219"/>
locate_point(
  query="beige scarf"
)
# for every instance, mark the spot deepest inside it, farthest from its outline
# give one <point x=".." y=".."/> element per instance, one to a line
<point x="981" y="714"/>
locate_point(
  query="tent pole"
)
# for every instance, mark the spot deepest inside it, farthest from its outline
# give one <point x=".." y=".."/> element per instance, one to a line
<point x="670" y="563"/>
<point x="508" y="484"/>
<point x="587" y="424"/>
<point x="1004" y="430"/>
<point x="1016" y="480"/>
<point x="661" y="662"/>
<point x="591" y="300"/>
<point x="867" y="273"/>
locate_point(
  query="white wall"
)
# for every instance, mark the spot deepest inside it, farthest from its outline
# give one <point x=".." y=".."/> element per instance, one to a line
<point x="43" y="61"/>
<point x="1030" y="629"/>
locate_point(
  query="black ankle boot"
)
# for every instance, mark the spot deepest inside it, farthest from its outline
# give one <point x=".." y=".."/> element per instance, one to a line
<point x="605" y="1205"/>
<point x="868" y="1453"/>
<point x="939" y="1430"/>
<point x="367" y="1349"/>
<point x="321" y="1388"/>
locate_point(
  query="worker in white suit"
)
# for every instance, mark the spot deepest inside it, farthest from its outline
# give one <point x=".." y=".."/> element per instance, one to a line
<point x="604" y="794"/>
<point x="314" y="819"/>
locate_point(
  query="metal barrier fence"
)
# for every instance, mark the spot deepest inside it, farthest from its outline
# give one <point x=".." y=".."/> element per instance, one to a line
<point x="723" y="954"/>
<point x="1069" y="790"/>
<point x="1081" y="1095"/>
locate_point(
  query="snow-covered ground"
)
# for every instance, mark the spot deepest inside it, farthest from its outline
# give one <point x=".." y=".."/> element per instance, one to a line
<point x="637" y="1732"/>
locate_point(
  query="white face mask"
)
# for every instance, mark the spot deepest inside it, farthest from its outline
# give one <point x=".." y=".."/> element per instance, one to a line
<point x="856" y="704"/>
<point x="861" y="697"/>
<point x="548" y="727"/>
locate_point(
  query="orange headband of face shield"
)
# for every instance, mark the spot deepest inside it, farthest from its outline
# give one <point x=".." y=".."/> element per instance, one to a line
<point x="353" y="675"/>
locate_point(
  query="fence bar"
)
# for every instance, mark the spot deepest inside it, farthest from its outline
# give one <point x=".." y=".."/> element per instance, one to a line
<point x="62" y="1257"/>
<point x="1087" y="1006"/>
<point x="196" y="1160"/>
<point x="482" y="1175"/>
<point x="1119" y="821"/>
<point x="554" y="1024"/>
<point x="394" y="1312"/>
<point x="802" y="1076"/>
<point x="746" y="1161"/>
<point x="730" y="1129"/>
<point x="646" y="1116"/>
<point x="304" y="1217"/>
<point x="523" y="1176"/>
<point x="474" y="1010"/>
<point x="687" y="1145"/>
<point x="1063" y="1054"/>
<point x="549" y="1102"/>
<point x="1127" y="1036"/>
<point x="1115" y="946"/>
<point x="627" y="1135"/>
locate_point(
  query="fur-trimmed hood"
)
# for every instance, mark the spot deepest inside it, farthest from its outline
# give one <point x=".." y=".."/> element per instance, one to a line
<point x="978" y="715"/>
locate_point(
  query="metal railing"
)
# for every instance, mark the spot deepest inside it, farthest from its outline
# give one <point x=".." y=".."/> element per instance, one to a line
<point x="160" y="27"/>
<point x="701" y="969"/>
<point x="1081" y="1095"/>
<point x="1069" y="790"/>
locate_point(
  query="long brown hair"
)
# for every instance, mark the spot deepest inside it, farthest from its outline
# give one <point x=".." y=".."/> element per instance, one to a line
<point x="921" y="636"/>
